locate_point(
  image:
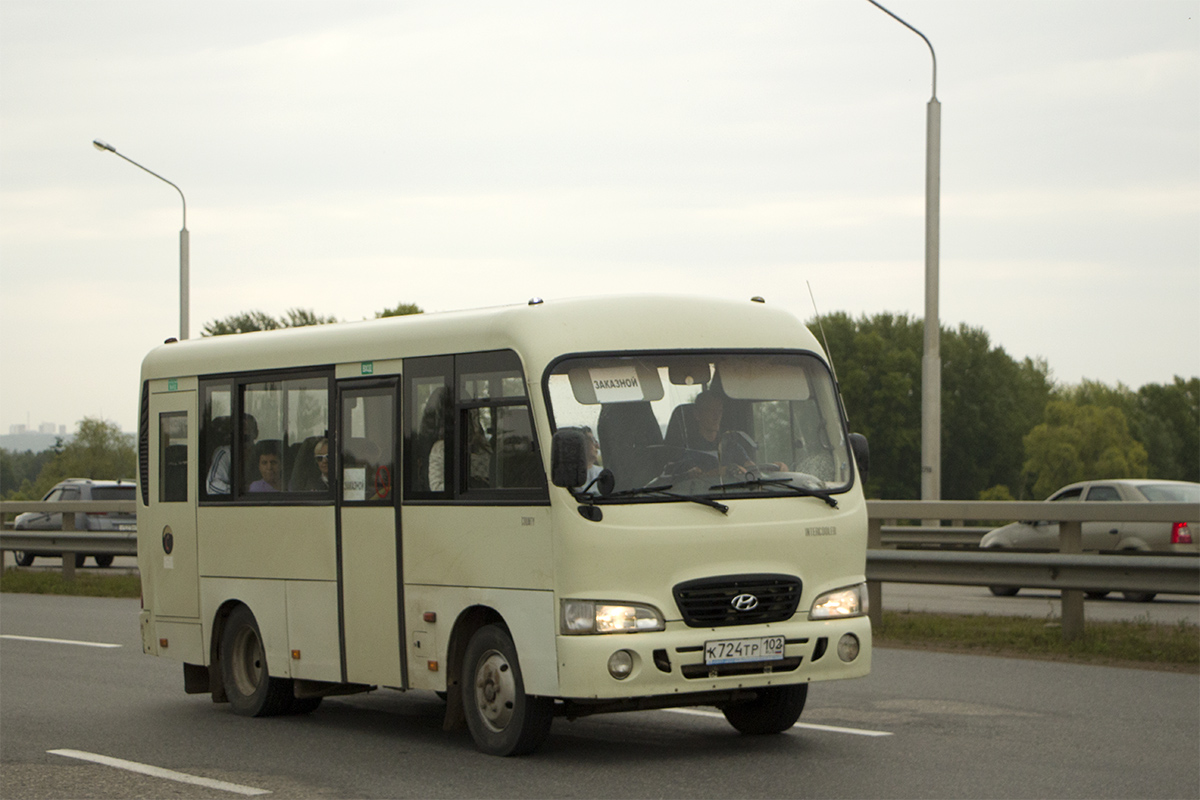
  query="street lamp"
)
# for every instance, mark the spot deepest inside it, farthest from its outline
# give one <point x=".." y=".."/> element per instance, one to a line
<point x="183" y="239"/>
<point x="931" y="362"/>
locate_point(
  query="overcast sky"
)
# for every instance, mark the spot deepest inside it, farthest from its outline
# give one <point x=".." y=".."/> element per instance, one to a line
<point x="349" y="156"/>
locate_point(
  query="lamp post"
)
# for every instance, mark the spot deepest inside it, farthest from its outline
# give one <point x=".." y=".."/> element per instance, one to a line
<point x="931" y="362"/>
<point x="183" y="239"/>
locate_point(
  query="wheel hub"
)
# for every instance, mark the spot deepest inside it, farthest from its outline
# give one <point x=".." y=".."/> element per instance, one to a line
<point x="495" y="690"/>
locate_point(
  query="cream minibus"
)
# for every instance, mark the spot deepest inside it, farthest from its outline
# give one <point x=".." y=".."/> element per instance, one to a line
<point x="546" y="510"/>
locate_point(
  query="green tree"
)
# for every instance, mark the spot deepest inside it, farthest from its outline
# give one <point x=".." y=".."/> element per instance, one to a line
<point x="1165" y="418"/>
<point x="99" y="450"/>
<point x="1169" y="426"/>
<point x="250" y="321"/>
<point x="878" y="364"/>
<point x="989" y="401"/>
<point x="1081" y="442"/>
<point x="19" y="470"/>
<point x="401" y="310"/>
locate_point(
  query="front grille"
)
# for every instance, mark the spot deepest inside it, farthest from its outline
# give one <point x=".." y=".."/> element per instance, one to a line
<point x="709" y="602"/>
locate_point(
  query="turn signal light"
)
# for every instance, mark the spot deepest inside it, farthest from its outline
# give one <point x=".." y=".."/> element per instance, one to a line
<point x="1181" y="533"/>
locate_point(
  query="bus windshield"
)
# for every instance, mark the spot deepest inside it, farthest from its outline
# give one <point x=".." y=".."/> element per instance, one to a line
<point x="706" y="423"/>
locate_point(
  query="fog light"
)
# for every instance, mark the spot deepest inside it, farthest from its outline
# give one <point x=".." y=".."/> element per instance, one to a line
<point x="620" y="664"/>
<point x="848" y="647"/>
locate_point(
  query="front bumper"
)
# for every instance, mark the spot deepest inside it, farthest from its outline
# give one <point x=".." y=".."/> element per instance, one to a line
<point x="671" y="662"/>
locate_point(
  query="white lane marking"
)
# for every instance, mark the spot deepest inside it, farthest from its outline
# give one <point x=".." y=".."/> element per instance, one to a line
<point x="809" y="725"/>
<point x="159" y="772"/>
<point x="56" y="641"/>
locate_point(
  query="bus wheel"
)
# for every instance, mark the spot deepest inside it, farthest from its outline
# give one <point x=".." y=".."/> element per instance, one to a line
<point x="774" y="710"/>
<point x="504" y="721"/>
<point x="104" y="561"/>
<point x="23" y="559"/>
<point x="252" y="691"/>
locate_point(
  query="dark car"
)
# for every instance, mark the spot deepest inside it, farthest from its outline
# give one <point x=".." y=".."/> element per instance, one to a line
<point x="79" y="489"/>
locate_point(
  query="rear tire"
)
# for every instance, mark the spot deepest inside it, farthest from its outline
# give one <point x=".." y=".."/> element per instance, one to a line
<point x="79" y="559"/>
<point x="103" y="561"/>
<point x="504" y="721"/>
<point x="252" y="692"/>
<point x="1139" y="597"/>
<point x="23" y="559"/>
<point x="1004" y="591"/>
<point x="1097" y="595"/>
<point x="775" y="710"/>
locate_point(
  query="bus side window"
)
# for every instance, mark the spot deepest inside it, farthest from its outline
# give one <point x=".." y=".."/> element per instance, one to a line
<point x="216" y="442"/>
<point x="368" y="442"/>
<point x="428" y="411"/>
<point x="499" y="451"/>
<point x="172" y="457"/>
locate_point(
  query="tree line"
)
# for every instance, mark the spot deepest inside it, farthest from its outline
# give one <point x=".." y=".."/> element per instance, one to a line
<point x="1008" y="432"/>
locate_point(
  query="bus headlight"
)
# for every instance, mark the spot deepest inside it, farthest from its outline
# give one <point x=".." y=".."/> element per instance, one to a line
<point x="591" y="616"/>
<point x="841" y="603"/>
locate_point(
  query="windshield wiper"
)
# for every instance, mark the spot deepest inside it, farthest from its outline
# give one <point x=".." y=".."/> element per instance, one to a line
<point x="664" y="490"/>
<point x="785" y="483"/>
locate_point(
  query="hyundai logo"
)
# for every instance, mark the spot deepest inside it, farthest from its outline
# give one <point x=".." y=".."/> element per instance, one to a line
<point x="744" y="602"/>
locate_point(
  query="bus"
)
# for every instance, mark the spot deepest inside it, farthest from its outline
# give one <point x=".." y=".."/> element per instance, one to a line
<point x="551" y="509"/>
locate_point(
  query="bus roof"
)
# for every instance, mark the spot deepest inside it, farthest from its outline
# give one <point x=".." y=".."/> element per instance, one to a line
<point x="539" y="331"/>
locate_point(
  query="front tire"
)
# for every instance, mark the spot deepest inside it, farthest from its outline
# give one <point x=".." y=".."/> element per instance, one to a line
<point x="775" y="710"/>
<point x="103" y="561"/>
<point x="504" y="721"/>
<point x="1004" y="591"/>
<point x="23" y="559"/>
<point x="1139" y="597"/>
<point x="252" y="692"/>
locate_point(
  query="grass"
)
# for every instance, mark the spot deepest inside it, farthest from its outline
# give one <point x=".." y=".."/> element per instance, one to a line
<point x="1141" y="643"/>
<point x="1136" y="643"/>
<point x="85" y="584"/>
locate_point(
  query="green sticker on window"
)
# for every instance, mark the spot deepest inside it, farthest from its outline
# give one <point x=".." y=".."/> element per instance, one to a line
<point x="172" y="384"/>
<point x="368" y="368"/>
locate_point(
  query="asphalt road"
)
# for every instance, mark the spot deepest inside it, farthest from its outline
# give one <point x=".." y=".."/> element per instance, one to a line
<point x="921" y="725"/>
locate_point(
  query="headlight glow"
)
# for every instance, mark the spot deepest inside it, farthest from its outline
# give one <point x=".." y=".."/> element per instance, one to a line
<point x="841" y="603"/>
<point x="590" y="616"/>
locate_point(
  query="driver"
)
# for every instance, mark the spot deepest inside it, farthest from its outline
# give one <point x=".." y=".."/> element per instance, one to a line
<point x="733" y="451"/>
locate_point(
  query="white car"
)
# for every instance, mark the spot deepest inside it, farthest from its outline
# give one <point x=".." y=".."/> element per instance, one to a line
<point x="1166" y="537"/>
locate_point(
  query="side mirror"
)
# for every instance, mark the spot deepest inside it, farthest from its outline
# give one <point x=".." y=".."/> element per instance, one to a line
<point x="862" y="454"/>
<point x="568" y="458"/>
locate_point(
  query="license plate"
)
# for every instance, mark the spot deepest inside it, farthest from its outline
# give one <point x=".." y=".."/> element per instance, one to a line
<point x="737" y="651"/>
<point x="126" y="526"/>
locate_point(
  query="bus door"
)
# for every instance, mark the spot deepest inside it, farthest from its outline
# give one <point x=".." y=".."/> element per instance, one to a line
<point x="170" y="540"/>
<point x="370" y="596"/>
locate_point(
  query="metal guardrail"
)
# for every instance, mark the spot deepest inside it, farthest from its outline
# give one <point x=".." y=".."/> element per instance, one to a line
<point x="1069" y="571"/>
<point x="101" y="543"/>
<point x="1119" y="573"/>
<point x="69" y="541"/>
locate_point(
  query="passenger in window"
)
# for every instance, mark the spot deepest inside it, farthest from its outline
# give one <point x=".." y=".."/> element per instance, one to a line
<point x="593" y="457"/>
<point x="219" y="471"/>
<point x="320" y="481"/>
<point x="269" y="467"/>
<point x="479" y="451"/>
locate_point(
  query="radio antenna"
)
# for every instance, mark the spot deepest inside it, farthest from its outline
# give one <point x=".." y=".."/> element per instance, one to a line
<point x="821" y="327"/>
